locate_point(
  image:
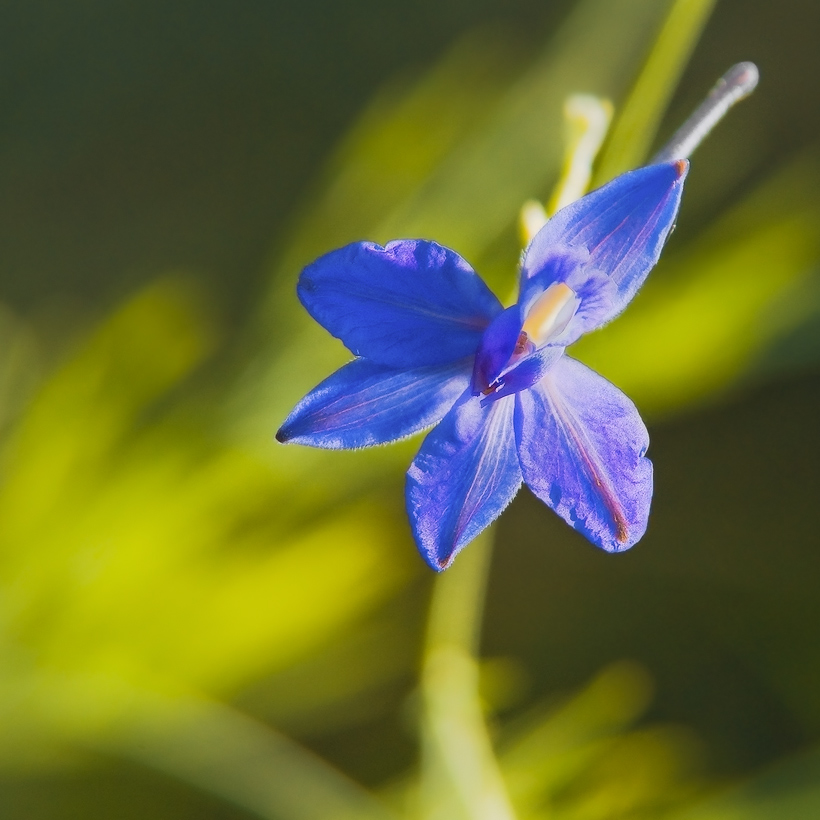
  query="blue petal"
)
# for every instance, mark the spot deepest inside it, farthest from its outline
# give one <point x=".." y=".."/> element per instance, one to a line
<point x="363" y="404"/>
<point x="527" y="372"/>
<point x="556" y="264"/>
<point x="497" y="346"/>
<point x="464" y="475"/>
<point x="581" y="444"/>
<point x="595" y="292"/>
<point x="410" y="304"/>
<point x="623" y="227"/>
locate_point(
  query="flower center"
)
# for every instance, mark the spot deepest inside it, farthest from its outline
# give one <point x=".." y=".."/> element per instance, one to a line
<point x="551" y="313"/>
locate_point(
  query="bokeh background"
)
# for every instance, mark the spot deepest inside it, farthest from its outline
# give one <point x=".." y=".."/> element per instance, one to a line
<point x="196" y="622"/>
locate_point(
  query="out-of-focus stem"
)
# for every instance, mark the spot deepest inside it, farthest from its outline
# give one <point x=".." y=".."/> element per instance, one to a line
<point x="586" y="120"/>
<point x="635" y="127"/>
<point x="460" y="775"/>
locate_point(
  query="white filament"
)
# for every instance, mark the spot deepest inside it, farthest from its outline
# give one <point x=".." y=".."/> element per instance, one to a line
<point x="738" y="82"/>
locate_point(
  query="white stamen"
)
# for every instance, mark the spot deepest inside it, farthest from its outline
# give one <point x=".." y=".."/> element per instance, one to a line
<point x="551" y="313"/>
<point x="738" y="82"/>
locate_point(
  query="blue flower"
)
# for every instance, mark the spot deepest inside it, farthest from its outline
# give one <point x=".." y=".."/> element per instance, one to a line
<point x="434" y="346"/>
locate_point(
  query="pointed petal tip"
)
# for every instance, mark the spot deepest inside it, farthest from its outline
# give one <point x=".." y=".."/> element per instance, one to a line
<point x="437" y="561"/>
<point x="679" y="169"/>
<point x="682" y="167"/>
<point x="439" y="564"/>
<point x="281" y="436"/>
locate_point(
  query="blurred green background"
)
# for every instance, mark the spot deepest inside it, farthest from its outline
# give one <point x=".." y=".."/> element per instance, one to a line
<point x="196" y="622"/>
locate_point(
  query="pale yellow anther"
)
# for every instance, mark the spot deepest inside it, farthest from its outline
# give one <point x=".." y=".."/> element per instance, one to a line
<point x="551" y="313"/>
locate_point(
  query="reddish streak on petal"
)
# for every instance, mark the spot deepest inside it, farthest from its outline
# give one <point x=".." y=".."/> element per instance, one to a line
<point x="607" y="495"/>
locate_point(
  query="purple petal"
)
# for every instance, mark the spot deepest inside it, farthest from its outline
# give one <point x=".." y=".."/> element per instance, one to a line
<point x="363" y="404"/>
<point x="526" y="372"/>
<point x="597" y="294"/>
<point x="557" y="264"/>
<point x="594" y="294"/>
<point x="581" y="444"/>
<point x="463" y="477"/>
<point x="497" y="346"/>
<point x="622" y="226"/>
<point x="410" y="304"/>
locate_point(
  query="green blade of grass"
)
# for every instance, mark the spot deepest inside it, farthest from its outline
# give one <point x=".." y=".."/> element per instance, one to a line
<point x="635" y="128"/>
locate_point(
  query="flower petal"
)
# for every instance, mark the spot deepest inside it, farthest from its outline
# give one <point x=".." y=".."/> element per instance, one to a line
<point x="556" y="264"/>
<point x="623" y="227"/>
<point x="463" y="477"/>
<point x="497" y="346"/>
<point x="593" y="292"/>
<point x="412" y="303"/>
<point x="526" y="372"/>
<point x="581" y="444"/>
<point x="363" y="404"/>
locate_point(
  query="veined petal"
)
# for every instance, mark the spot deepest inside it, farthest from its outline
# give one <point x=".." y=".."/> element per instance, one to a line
<point x="622" y="226"/>
<point x="566" y="283"/>
<point x="363" y="404"/>
<point x="463" y="477"/>
<point x="581" y="444"/>
<point x="558" y="264"/>
<point x="412" y="303"/>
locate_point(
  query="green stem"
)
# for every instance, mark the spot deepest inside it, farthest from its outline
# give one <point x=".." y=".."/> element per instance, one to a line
<point x="460" y="775"/>
<point x="635" y="128"/>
